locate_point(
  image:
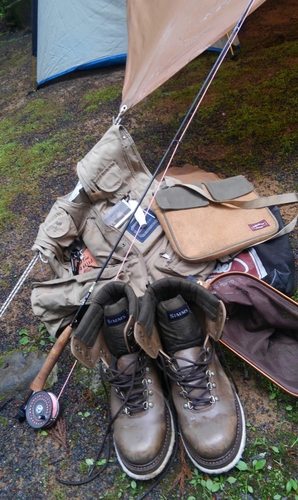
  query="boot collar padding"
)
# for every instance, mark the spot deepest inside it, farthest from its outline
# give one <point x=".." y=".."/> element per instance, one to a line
<point x="88" y="343"/>
<point x="209" y="311"/>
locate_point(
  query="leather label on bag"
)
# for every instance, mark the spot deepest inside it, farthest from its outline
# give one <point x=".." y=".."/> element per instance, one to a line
<point x="256" y="226"/>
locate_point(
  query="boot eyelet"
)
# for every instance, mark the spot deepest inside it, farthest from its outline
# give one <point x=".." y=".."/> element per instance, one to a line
<point x="150" y="392"/>
<point x="147" y="369"/>
<point x="183" y="393"/>
<point x="171" y="365"/>
<point x="214" y="385"/>
<point x="149" y="380"/>
<point x="151" y="404"/>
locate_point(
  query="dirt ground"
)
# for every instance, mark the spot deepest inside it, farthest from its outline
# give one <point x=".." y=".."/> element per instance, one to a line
<point x="30" y="461"/>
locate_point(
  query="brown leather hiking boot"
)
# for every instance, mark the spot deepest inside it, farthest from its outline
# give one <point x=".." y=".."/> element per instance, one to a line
<point x="143" y="428"/>
<point x="210" y="415"/>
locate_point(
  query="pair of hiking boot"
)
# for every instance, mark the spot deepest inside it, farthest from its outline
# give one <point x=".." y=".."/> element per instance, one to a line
<point x="169" y="335"/>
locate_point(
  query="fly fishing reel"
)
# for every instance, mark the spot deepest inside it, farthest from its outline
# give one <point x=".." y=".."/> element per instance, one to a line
<point x="42" y="410"/>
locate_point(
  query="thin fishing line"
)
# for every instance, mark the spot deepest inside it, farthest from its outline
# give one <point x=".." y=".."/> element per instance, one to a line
<point x="67" y="379"/>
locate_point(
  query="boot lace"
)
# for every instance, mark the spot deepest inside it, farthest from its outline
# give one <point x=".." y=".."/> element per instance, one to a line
<point x="131" y="384"/>
<point x="131" y="388"/>
<point x="194" y="378"/>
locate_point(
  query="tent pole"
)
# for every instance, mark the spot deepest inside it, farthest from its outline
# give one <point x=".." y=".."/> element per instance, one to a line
<point x="33" y="75"/>
<point x="34" y="24"/>
<point x="231" y="46"/>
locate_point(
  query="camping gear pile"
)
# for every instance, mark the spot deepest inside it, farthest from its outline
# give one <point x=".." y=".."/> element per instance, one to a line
<point x="138" y="284"/>
<point x="160" y="306"/>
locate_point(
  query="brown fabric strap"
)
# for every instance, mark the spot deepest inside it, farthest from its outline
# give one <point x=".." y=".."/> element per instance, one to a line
<point x="285" y="230"/>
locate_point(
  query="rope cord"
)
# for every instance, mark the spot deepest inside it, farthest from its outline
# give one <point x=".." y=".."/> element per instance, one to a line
<point x="18" y="285"/>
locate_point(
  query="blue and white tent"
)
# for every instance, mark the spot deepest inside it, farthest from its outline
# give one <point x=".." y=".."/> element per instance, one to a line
<point x="77" y="34"/>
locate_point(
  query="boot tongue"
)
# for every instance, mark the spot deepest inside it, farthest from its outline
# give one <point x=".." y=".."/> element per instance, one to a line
<point x="179" y="327"/>
<point x="115" y="318"/>
<point x="127" y="363"/>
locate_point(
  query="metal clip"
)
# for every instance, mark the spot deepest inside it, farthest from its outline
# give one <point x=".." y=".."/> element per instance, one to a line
<point x="75" y="258"/>
<point x="166" y="256"/>
<point x="117" y="120"/>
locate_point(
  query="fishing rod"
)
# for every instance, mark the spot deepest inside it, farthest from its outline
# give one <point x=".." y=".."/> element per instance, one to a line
<point x="45" y="403"/>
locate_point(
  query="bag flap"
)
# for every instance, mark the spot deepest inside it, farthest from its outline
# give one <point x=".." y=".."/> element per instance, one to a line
<point x="230" y="188"/>
<point x="180" y="198"/>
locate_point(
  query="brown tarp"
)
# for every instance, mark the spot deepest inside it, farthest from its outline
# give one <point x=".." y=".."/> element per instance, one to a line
<point x="164" y="35"/>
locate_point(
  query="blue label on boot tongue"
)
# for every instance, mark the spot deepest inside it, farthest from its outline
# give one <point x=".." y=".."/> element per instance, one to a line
<point x="179" y="313"/>
<point x="117" y="319"/>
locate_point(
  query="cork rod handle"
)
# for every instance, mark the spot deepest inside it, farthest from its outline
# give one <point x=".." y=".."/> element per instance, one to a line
<point x="52" y="358"/>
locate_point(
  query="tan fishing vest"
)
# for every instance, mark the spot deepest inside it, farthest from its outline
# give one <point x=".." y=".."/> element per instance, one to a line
<point x="111" y="171"/>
